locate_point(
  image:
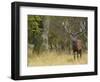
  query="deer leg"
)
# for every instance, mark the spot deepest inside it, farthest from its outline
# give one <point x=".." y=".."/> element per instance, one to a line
<point x="80" y="53"/>
<point x="74" y="55"/>
<point x="77" y="54"/>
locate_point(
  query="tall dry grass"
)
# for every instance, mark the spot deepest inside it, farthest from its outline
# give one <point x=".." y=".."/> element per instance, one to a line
<point x="54" y="58"/>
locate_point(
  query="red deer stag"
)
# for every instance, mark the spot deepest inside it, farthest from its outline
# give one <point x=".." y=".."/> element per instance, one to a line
<point x="76" y="43"/>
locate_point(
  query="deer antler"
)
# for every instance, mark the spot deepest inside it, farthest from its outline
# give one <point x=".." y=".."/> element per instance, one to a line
<point x="83" y="26"/>
<point x="65" y="27"/>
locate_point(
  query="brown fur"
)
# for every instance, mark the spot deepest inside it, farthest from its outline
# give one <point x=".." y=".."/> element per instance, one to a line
<point x="77" y="49"/>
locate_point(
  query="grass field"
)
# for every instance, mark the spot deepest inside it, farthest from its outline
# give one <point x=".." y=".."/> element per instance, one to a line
<point x="54" y="58"/>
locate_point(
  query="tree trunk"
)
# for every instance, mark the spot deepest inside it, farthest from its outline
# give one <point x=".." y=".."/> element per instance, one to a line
<point x="45" y="33"/>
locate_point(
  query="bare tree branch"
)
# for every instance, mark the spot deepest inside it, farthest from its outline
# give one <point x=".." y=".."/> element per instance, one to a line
<point x="65" y="24"/>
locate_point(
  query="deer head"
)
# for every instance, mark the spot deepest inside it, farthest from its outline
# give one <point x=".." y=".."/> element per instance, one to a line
<point x="74" y="35"/>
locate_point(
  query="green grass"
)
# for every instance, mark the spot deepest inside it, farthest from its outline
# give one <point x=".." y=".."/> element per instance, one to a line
<point x="54" y="58"/>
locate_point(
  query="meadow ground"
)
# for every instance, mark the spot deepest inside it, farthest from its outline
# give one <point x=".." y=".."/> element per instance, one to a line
<point x="54" y="58"/>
